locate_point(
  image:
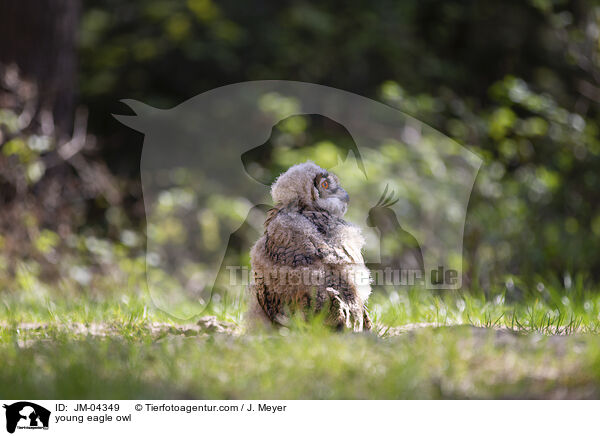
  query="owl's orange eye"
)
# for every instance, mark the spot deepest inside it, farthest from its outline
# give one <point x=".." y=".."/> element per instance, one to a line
<point x="325" y="184"/>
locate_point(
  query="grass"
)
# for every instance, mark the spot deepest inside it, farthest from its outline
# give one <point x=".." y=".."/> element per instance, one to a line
<point x="427" y="345"/>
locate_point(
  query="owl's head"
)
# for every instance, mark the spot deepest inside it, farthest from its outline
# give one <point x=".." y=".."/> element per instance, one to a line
<point x="310" y="186"/>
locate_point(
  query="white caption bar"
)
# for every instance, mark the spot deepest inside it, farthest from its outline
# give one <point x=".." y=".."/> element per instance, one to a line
<point x="158" y="417"/>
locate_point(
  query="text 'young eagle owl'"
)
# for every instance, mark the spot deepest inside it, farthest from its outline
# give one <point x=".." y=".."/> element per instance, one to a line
<point x="309" y="259"/>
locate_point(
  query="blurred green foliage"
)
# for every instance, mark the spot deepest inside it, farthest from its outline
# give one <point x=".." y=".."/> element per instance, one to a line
<point x="518" y="84"/>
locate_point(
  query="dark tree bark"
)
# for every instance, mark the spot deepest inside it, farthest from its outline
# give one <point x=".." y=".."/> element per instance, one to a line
<point x="39" y="36"/>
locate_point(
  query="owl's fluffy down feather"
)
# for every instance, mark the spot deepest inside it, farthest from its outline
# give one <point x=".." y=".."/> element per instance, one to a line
<point x="309" y="259"/>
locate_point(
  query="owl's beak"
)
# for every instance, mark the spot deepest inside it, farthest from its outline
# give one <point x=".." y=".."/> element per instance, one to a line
<point x="344" y="195"/>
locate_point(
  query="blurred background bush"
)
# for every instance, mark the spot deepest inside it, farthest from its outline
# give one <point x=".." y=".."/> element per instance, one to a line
<point x="516" y="82"/>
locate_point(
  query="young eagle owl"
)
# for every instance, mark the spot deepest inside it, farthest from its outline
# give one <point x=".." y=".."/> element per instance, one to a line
<point x="309" y="259"/>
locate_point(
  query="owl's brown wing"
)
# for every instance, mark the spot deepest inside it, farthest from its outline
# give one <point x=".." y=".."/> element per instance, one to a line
<point x="339" y="248"/>
<point x="292" y="240"/>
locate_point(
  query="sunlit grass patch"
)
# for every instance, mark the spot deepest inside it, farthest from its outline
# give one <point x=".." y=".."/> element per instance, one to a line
<point x="575" y="312"/>
<point x="449" y="362"/>
<point x="425" y="345"/>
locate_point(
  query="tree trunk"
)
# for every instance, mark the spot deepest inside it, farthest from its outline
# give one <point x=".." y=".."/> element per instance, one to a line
<point x="39" y="36"/>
